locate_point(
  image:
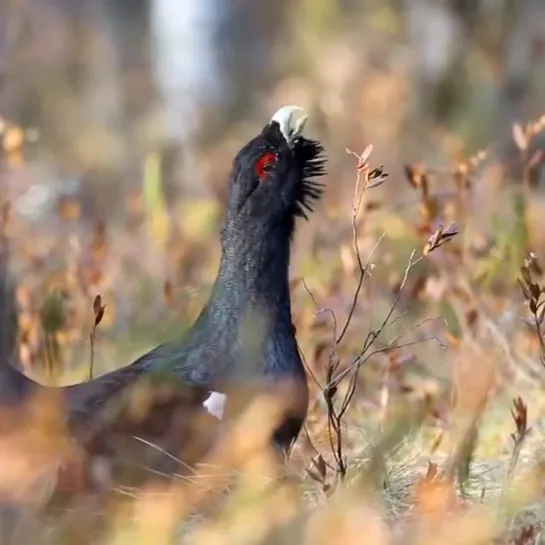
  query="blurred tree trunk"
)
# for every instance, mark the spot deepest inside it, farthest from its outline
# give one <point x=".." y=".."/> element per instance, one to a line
<point x="522" y="54"/>
<point x="214" y="62"/>
<point x="436" y="35"/>
<point x="244" y="40"/>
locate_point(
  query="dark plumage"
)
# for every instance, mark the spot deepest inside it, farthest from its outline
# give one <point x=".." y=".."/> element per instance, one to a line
<point x="244" y="336"/>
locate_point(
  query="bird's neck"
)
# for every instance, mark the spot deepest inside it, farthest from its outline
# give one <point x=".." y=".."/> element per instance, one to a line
<point x="254" y="276"/>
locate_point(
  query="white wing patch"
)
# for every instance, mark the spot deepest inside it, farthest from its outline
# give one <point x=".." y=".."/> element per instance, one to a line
<point x="215" y="404"/>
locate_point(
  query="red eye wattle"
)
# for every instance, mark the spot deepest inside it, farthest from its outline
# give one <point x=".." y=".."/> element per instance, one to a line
<point x="262" y="167"/>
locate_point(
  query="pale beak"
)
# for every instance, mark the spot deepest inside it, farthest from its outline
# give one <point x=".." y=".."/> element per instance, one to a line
<point x="284" y="118"/>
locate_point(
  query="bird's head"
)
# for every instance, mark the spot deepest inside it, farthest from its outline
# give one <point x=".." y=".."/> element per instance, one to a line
<point x="273" y="178"/>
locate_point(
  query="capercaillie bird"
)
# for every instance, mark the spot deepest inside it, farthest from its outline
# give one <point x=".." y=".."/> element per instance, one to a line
<point x="244" y="336"/>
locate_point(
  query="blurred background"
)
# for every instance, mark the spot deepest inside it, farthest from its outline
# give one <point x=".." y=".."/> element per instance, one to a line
<point x="105" y="82"/>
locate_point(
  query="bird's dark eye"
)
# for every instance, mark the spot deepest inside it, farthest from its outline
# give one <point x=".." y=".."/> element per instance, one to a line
<point x="264" y="164"/>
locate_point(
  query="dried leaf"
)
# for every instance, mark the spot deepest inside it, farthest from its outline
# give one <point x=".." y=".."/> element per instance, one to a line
<point x="362" y="158"/>
<point x="376" y="177"/>
<point x="97" y="304"/>
<point x="412" y="176"/>
<point x="99" y="316"/>
<point x="519" y="137"/>
<point x="168" y="292"/>
<point x="535" y="159"/>
<point x="98" y="309"/>
<point x="366" y="154"/>
<point x="535" y="290"/>
<point x="329" y="393"/>
<point x="314" y="475"/>
<point x="319" y="463"/>
<point x="519" y="413"/>
<point x="528" y="535"/>
<point x="425" y="186"/>
<point x="439" y="237"/>
<point x="431" y="472"/>
<point x="541" y="313"/>
<point x="525" y="273"/>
